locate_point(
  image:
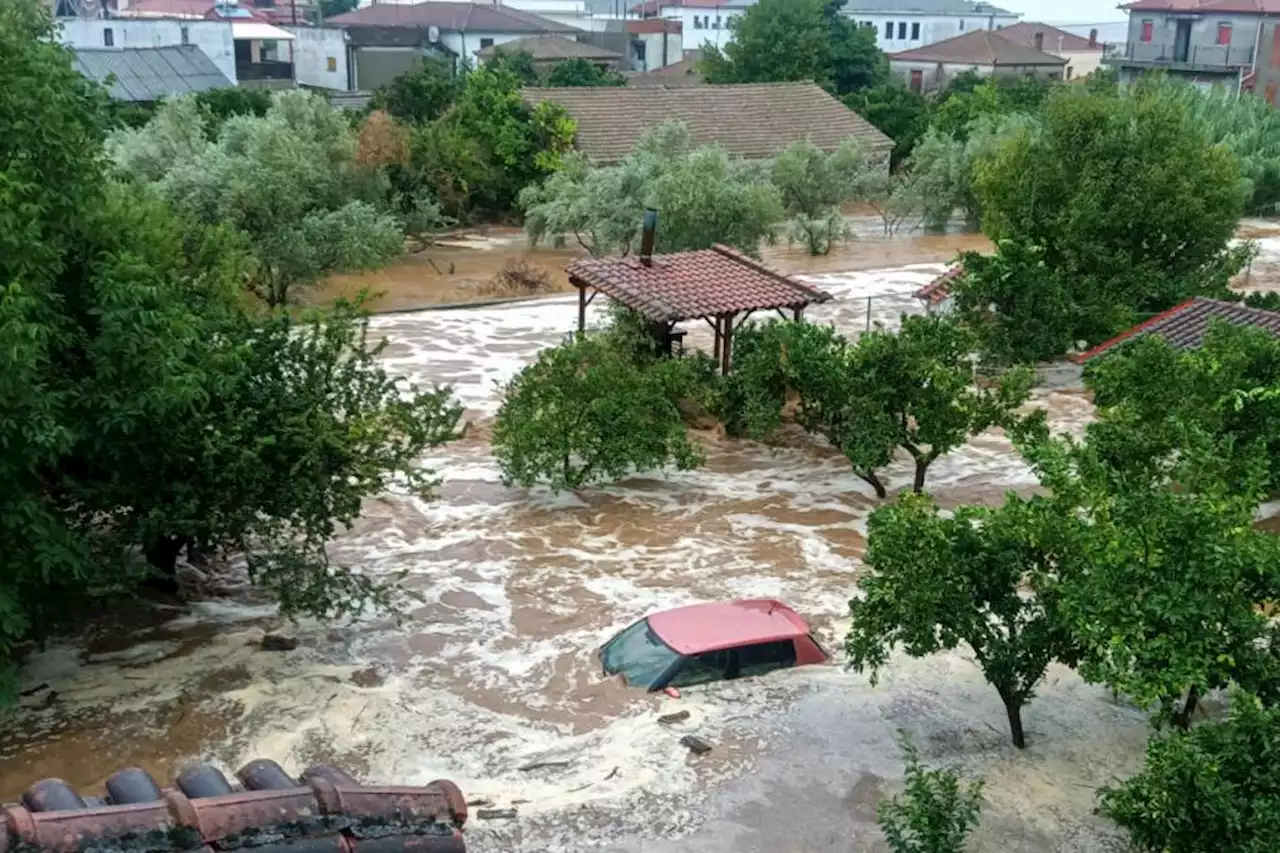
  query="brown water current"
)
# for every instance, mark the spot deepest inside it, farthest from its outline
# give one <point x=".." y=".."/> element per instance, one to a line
<point x="492" y="670"/>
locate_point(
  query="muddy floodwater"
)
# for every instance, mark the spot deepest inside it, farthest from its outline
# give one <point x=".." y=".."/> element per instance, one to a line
<point x="491" y="680"/>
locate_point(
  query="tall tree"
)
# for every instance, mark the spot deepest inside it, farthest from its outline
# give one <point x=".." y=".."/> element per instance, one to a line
<point x="936" y="582"/>
<point x="785" y="40"/>
<point x="582" y="72"/>
<point x="1071" y="188"/>
<point x="420" y="94"/>
<point x="896" y="111"/>
<point x="814" y="184"/>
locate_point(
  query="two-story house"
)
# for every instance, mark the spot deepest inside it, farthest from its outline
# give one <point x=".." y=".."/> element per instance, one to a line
<point x="1208" y="42"/>
<point x="906" y="24"/>
<point x="701" y="21"/>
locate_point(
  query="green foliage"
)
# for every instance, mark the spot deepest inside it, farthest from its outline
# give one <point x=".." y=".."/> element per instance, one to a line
<point x="968" y="99"/>
<point x="936" y="582"/>
<point x="704" y="198"/>
<point x="813" y="185"/>
<point x="1212" y="789"/>
<point x="587" y="413"/>
<point x="912" y="390"/>
<point x="1211" y="390"/>
<point x="943" y="167"/>
<point x="218" y="105"/>
<point x="895" y="110"/>
<point x="582" y="72"/>
<point x="143" y="410"/>
<point x="329" y="8"/>
<point x="288" y="181"/>
<point x="1162" y="598"/>
<point x="518" y="63"/>
<point x="454" y="168"/>
<point x="1124" y="202"/>
<point x="784" y="40"/>
<point x="936" y="811"/>
<point x="420" y="95"/>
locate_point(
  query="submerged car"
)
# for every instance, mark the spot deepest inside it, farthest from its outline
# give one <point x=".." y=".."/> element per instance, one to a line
<point x="709" y="642"/>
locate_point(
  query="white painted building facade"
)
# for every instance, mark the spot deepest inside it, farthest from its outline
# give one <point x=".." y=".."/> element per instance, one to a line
<point x="706" y="22"/>
<point x="319" y="56"/>
<point x="904" y="24"/>
<point x="214" y="38"/>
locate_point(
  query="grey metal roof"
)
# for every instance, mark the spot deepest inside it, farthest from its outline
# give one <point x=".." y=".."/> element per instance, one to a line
<point x="151" y="73"/>
<point x="925" y="7"/>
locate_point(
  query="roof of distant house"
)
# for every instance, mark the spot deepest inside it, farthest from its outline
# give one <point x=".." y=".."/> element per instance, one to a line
<point x="551" y="48"/>
<point x="978" y="47"/>
<point x="654" y="25"/>
<point x="218" y="10"/>
<point x="147" y="74"/>
<point x="682" y="73"/>
<point x="1052" y="38"/>
<point x="926" y="7"/>
<point x="1241" y="7"/>
<point x="459" y="17"/>
<point x="939" y="289"/>
<point x="1185" y="325"/>
<point x="750" y="120"/>
<point x="652" y="7"/>
<point x="689" y="285"/>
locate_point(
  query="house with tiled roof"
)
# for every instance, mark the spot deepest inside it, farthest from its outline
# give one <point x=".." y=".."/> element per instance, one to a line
<point x="1185" y="325"/>
<point x="1083" y="54"/>
<point x="905" y="24"/>
<point x="548" y="49"/>
<point x="388" y="39"/>
<point x="928" y="68"/>
<point x="754" y="121"/>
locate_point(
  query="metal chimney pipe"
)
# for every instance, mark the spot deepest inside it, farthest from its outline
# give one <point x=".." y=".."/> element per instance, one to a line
<point x="647" y="236"/>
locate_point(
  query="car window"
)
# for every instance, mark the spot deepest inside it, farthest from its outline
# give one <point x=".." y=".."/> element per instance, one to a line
<point x="766" y="657"/>
<point x="700" y="669"/>
<point x="638" y="655"/>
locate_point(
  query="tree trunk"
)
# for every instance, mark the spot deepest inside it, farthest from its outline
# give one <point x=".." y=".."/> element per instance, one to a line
<point x="163" y="553"/>
<point x="922" y="468"/>
<point x="1182" y="719"/>
<point x="1013" y="708"/>
<point x="872" y="480"/>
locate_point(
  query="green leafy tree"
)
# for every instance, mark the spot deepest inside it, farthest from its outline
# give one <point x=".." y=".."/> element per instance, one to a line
<point x="785" y="40"/>
<point x="454" y="168"/>
<point x="912" y="390"/>
<point x="517" y="63"/>
<point x="813" y="184"/>
<point x="935" y="812"/>
<point x="944" y="167"/>
<point x="1069" y="186"/>
<point x="1214" y="788"/>
<point x="587" y="413"/>
<point x="218" y="105"/>
<point x="936" y="582"/>
<point x="1163" y="602"/>
<point x="329" y="8"/>
<point x="420" y="95"/>
<point x="703" y="197"/>
<point x="582" y="72"/>
<point x="288" y="181"/>
<point x="176" y="133"/>
<point x="896" y="111"/>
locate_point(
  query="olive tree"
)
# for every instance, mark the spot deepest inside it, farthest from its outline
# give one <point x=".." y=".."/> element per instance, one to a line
<point x="936" y="582"/>
<point x="814" y="184"/>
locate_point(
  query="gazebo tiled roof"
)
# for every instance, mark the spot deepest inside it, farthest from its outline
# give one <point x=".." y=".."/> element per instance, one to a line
<point x="939" y="289"/>
<point x="1185" y="325"/>
<point x="689" y="285"/>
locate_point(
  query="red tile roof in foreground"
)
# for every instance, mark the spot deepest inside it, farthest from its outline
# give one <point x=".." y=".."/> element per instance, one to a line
<point x="688" y="285"/>
<point x="1185" y="325"/>
<point x="940" y="288"/>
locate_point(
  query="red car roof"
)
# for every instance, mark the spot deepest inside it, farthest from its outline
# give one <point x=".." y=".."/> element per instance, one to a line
<point x="702" y="628"/>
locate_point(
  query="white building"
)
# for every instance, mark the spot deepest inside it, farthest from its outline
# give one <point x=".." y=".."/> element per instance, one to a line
<point x="905" y="24"/>
<point x="214" y="38"/>
<point x="701" y="21"/>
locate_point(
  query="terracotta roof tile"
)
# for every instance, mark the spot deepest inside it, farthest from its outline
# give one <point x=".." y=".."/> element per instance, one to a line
<point x="1025" y="32"/>
<point x="940" y="288"/>
<point x="978" y="47"/>
<point x="689" y="285"/>
<point x="551" y="48"/>
<point x="450" y="16"/>
<point x="1184" y="325"/>
<point x="754" y="120"/>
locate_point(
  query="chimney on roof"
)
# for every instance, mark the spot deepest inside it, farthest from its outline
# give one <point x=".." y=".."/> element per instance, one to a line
<point x="1093" y="38"/>
<point x="647" y="236"/>
<point x="1039" y="39"/>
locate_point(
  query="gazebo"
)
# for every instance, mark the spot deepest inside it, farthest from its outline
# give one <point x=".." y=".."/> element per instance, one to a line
<point x="719" y="285"/>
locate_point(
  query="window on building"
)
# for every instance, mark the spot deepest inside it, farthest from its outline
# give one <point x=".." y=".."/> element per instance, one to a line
<point x="697" y="22"/>
<point x="1147" y="28"/>
<point x="331" y="63"/>
<point x="915" y="31"/>
<point x="962" y="25"/>
<point x="186" y="35"/>
<point x="108" y="37"/>
<point x="1224" y="34"/>
<point x="902" y="29"/>
<point x="1069" y="70"/>
<point x="716" y="24"/>
<point x="486" y="43"/>
<point x="888" y="29"/>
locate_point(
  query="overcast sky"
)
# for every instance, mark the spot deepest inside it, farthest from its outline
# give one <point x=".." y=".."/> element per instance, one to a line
<point x="1058" y="11"/>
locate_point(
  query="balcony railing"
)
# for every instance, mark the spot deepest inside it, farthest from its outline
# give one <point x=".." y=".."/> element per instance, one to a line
<point x="1149" y="54"/>
<point x="265" y="70"/>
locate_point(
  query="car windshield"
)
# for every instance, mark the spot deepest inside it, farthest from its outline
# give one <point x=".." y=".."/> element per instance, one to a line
<point x="638" y="655"/>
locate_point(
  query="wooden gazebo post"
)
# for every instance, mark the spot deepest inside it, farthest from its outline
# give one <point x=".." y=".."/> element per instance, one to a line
<point x="726" y="345"/>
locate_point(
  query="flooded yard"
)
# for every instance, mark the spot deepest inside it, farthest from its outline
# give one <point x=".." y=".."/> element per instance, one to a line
<point x="491" y="679"/>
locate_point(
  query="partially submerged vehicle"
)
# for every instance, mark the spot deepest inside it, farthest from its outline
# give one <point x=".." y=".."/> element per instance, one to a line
<point x="710" y="642"/>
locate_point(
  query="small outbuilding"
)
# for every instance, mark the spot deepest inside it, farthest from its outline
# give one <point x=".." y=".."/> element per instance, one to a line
<point x="986" y="52"/>
<point x="149" y="74"/>
<point x="1185" y="325"/>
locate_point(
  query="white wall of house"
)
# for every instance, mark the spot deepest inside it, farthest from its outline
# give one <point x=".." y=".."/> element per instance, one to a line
<point x="466" y="44"/>
<point x="320" y="57"/>
<point x="704" y="24"/>
<point x="212" y="37"/>
<point x="934" y="75"/>
<point x="1080" y="63"/>
<point x="653" y="56"/>
<point x="902" y="30"/>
